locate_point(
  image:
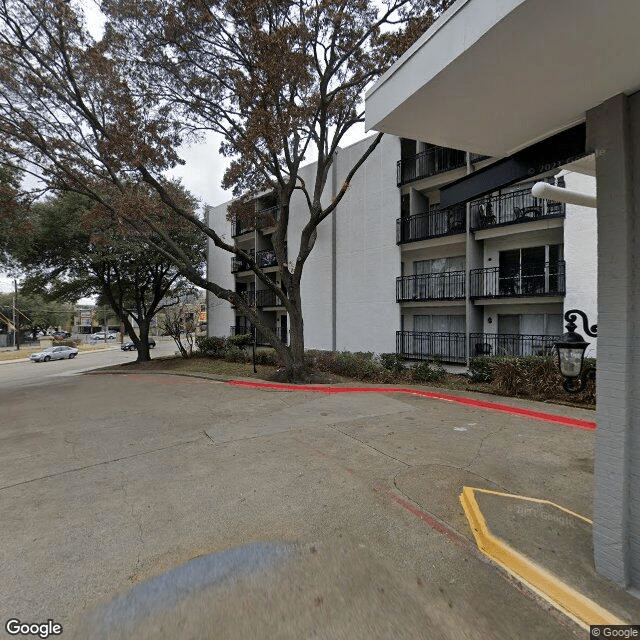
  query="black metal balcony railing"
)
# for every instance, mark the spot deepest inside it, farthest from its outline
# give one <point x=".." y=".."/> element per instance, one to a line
<point x="247" y="296"/>
<point x="239" y="264"/>
<point x="452" y="347"/>
<point x="538" y="279"/>
<point x="517" y="206"/>
<point x="240" y="226"/>
<point x="264" y="258"/>
<point x="434" y="224"/>
<point x="495" y="344"/>
<point x="268" y="217"/>
<point x="448" y="285"/>
<point x="422" y="345"/>
<point x="261" y="220"/>
<point x="429" y="162"/>
<point x="248" y="328"/>
<point x="267" y="258"/>
<point x="267" y="298"/>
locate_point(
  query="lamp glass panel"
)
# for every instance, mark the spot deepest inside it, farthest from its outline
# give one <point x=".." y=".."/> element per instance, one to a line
<point x="570" y="361"/>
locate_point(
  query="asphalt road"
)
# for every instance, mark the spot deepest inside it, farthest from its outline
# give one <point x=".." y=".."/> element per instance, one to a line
<point x="22" y="374"/>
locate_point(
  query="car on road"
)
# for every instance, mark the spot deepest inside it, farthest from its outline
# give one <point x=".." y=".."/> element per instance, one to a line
<point x="61" y="335"/>
<point x="129" y="346"/>
<point x="96" y="337"/>
<point x="54" y="353"/>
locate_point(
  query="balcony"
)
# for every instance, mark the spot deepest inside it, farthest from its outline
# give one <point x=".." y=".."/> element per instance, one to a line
<point x="529" y="280"/>
<point x="239" y="264"/>
<point x="267" y="298"/>
<point x="422" y="345"/>
<point x="434" y="224"/>
<point x="247" y="328"/>
<point x="452" y="347"/>
<point x="262" y="219"/>
<point x="510" y="208"/>
<point x="268" y="217"/>
<point x="267" y="258"/>
<point x="494" y="344"/>
<point x="433" y="286"/>
<point x="430" y="162"/>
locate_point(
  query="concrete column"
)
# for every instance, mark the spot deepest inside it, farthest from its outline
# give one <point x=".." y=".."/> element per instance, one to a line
<point x="613" y="133"/>
<point x="417" y="203"/>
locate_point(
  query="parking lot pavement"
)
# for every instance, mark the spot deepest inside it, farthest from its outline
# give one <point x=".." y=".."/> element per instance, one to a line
<point x="164" y="506"/>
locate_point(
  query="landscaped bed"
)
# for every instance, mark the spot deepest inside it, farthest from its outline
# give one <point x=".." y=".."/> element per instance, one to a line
<point x="532" y="377"/>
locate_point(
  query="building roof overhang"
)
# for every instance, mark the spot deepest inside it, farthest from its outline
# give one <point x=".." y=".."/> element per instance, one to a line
<point x="494" y="77"/>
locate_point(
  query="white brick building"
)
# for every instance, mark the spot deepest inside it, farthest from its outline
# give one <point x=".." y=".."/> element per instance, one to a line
<point x="391" y="270"/>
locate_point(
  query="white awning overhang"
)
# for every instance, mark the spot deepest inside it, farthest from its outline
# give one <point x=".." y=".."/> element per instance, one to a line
<point x="494" y="77"/>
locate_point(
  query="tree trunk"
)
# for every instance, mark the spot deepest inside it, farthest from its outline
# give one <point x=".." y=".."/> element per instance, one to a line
<point x="143" y="343"/>
<point x="295" y="365"/>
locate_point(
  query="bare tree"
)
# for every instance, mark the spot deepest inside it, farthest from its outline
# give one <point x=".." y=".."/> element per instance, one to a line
<point x="177" y="324"/>
<point x="279" y="81"/>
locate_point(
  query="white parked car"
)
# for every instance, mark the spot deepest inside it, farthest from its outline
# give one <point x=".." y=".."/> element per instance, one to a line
<point x="96" y="337"/>
<point x="54" y="353"/>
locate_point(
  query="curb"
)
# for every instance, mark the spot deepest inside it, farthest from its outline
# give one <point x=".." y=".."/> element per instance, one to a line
<point x="578" y="607"/>
<point x="463" y="400"/>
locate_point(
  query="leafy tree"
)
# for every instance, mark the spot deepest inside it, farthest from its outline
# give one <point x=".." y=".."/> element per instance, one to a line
<point x="279" y="81"/>
<point x="75" y="251"/>
<point x="34" y="313"/>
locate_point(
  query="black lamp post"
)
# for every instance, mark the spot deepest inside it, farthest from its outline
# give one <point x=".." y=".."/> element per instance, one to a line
<point x="571" y="350"/>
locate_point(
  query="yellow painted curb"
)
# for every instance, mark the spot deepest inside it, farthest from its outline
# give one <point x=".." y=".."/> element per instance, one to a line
<point x="578" y="607"/>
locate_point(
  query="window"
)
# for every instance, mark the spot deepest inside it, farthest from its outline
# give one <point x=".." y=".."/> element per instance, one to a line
<point x="524" y="334"/>
<point x="531" y="270"/>
<point x="439" y="278"/>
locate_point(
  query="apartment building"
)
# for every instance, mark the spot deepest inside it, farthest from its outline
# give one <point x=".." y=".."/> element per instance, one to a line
<point x="392" y="270"/>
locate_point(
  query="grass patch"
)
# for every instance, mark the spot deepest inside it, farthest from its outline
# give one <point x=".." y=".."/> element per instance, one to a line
<point x="199" y="364"/>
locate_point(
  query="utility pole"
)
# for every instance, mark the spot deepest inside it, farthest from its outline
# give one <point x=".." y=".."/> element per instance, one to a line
<point x="16" y="317"/>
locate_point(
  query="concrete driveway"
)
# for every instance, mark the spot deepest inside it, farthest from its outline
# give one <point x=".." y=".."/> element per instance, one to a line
<point x="148" y="506"/>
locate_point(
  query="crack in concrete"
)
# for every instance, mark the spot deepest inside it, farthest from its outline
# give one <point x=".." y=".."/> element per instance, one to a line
<point x="97" y="464"/>
<point x="366" y="444"/>
<point x="482" y="440"/>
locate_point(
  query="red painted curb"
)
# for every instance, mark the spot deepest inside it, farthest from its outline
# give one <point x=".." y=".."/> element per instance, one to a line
<point x="470" y="402"/>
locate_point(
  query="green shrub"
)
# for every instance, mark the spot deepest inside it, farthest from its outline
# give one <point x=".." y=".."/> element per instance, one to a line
<point x="481" y="368"/>
<point x="428" y="372"/>
<point x="211" y="346"/>
<point x="360" y="365"/>
<point x="266" y="358"/>
<point x="393" y="362"/>
<point x="233" y="353"/>
<point x="241" y="340"/>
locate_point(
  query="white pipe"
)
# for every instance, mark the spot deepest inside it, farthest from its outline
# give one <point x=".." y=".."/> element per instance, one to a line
<point x="559" y="194"/>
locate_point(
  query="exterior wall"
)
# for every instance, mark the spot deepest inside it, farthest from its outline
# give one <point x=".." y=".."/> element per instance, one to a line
<point x="581" y="255"/>
<point x="316" y="285"/>
<point x="367" y="258"/>
<point x="493" y="246"/>
<point x="220" y="315"/>
<point x="491" y="312"/>
<point x="613" y="131"/>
